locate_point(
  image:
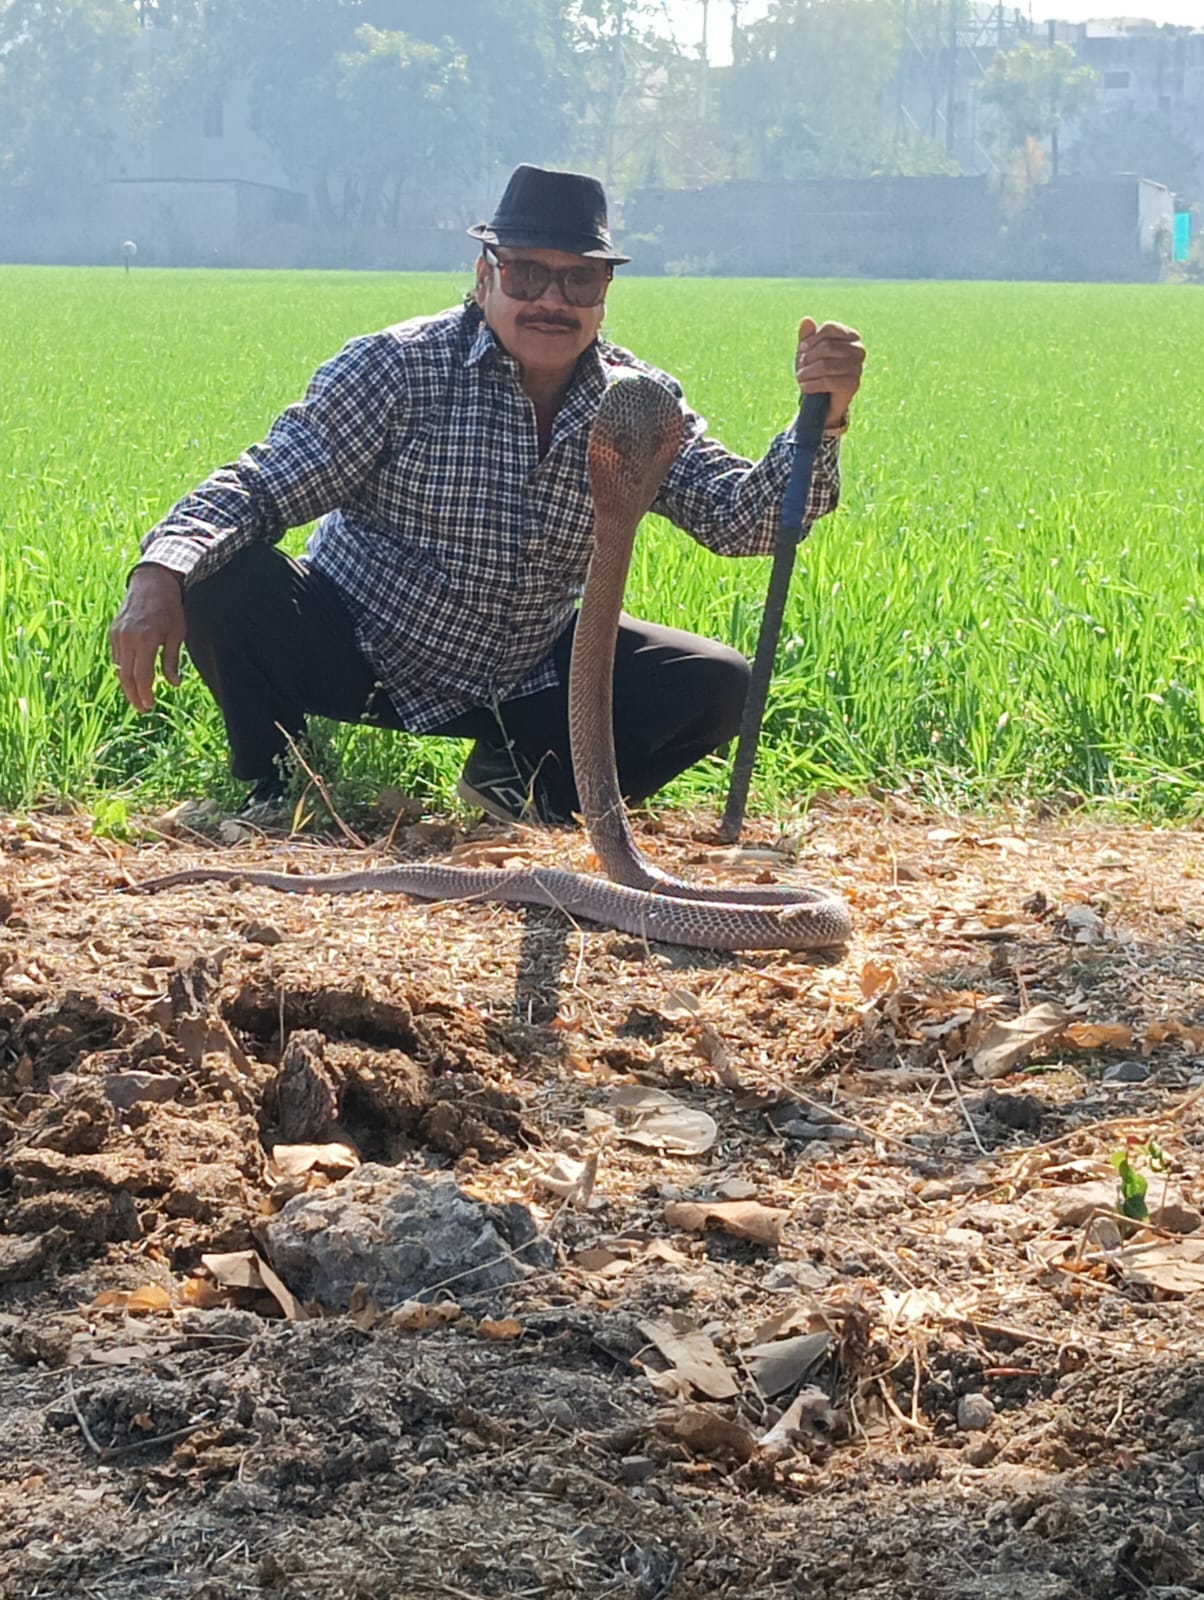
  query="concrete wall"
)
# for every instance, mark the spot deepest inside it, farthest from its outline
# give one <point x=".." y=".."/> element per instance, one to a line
<point x="1104" y="228"/>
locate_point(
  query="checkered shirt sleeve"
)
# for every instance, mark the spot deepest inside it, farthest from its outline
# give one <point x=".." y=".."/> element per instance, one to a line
<point x="459" y="552"/>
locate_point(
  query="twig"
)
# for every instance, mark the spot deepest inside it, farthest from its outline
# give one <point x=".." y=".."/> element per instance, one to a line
<point x="892" y="1407"/>
<point x="97" y="1449"/>
<point x="319" y="784"/>
<point x="957" y="1095"/>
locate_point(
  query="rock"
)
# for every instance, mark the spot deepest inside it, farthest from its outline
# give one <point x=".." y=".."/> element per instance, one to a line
<point x="981" y="1453"/>
<point x="1127" y="1072"/>
<point x="126" y="1089"/>
<point x="975" y="1413"/>
<point x="1174" y="1216"/>
<point x="634" y="1469"/>
<point x="398" y="1234"/>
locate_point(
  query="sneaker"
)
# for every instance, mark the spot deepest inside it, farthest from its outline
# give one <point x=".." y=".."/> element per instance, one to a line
<point x="267" y="805"/>
<point x="505" y="786"/>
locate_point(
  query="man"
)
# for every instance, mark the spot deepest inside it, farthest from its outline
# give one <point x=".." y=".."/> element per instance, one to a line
<point x="446" y="458"/>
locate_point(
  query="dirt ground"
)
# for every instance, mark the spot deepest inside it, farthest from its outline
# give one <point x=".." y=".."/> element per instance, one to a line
<point x="876" y="1329"/>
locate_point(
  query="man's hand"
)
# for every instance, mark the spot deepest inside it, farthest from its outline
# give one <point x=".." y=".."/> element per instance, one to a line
<point x="151" y="619"/>
<point x="829" y="360"/>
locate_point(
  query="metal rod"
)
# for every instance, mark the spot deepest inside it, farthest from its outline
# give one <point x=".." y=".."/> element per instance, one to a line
<point x="808" y="433"/>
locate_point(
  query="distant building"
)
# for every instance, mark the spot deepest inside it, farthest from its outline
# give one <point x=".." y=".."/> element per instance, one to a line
<point x="1144" y="70"/>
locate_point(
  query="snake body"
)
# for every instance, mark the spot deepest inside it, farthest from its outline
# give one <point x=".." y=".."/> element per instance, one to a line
<point x="633" y="441"/>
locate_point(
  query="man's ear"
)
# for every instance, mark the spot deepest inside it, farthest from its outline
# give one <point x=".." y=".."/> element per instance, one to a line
<point x="479" y="288"/>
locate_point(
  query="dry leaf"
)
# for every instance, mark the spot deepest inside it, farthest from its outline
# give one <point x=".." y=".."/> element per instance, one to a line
<point x="149" y="1297"/>
<point x="680" y="1003"/>
<point x="692" y="1356"/>
<point x="747" y="1219"/>
<point x="713" y="1435"/>
<point x="652" y="1117"/>
<point x="363" y="1309"/>
<point x="244" y="1269"/>
<point x="809" y="1407"/>
<point x="1160" y="1032"/>
<point x="779" y="1365"/>
<point x="1099" y="1036"/>
<point x="501" y="1329"/>
<point x="417" y="1316"/>
<point x="1175" y="1268"/>
<point x="876" y="979"/>
<point x="806" y="1317"/>
<point x="298" y="1160"/>
<point x="1006" y="1044"/>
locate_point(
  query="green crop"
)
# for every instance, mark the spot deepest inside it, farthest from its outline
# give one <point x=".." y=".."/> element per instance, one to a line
<point x="1007" y="604"/>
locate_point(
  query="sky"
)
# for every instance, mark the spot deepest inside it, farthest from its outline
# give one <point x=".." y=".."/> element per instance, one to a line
<point x="684" y="17"/>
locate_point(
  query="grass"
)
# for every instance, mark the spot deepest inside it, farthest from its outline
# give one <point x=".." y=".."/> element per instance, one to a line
<point x="1007" y="606"/>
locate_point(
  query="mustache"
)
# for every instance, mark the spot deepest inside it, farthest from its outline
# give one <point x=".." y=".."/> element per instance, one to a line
<point x="554" y="319"/>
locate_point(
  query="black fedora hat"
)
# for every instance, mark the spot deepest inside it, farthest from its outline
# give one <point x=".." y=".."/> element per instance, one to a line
<point x="544" y="210"/>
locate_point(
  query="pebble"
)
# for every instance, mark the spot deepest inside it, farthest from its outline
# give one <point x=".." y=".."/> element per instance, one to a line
<point x="975" y="1413"/>
<point x="1127" y="1072"/>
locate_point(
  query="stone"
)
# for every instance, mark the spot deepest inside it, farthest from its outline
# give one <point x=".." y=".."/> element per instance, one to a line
<point x="1127" y="1072"/>
<point x="399" y="1234"/>
<point x="126" y="1089"/>
<point x="975" y="1413"/>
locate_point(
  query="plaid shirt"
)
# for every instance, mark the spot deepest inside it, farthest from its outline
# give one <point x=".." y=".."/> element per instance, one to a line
<point x="459" y="552"/>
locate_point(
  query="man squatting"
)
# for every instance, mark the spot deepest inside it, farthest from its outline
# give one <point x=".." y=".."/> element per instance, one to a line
<point x="446" y="460"/>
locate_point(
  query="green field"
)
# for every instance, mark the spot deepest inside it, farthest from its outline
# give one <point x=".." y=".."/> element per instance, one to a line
<point x="1007" y="604"/>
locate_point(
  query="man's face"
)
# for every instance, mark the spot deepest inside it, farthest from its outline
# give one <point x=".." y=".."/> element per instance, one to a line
<point x="546" y="335"/>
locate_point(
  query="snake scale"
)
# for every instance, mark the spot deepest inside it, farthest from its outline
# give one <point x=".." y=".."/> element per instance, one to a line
<point x="633" y="441"/>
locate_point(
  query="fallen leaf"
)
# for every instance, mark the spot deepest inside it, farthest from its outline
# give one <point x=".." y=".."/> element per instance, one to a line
<point x="502" y="1328"/>
<point x="876" y="979"/>
<point x="747" y="1219"/>
<point x="1006" y="1044"/>
<point x="810" y="1407"/>
<point x="297" y="1160"/>
<point x="779" y="1365"/>
<point x="418" y="1316"/>
<point x="680" y="1003"/>
<point x="244" y="1269"/>
<point x="1160" y="1032"/>
<point x="148" y="1297"/>
<point x="1175" y="1268"/>
<point x="652" y="1117"/>
<point x="713" y="1435"/>
<point x="692" y="1355"/>
<point x="363" y="1309"/>
<point x="1099" y="1036"/>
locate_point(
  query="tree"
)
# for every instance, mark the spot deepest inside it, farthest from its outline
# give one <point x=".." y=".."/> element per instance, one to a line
<point x="809" y="93"/>
<point x="1033" y="92"/>
<point x="67" y="72"/>
<point x="465" y="87"/>
<point x="405" y="113"/>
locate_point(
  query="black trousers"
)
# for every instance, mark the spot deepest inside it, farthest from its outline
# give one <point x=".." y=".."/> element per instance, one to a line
<point x="274" y="643"/>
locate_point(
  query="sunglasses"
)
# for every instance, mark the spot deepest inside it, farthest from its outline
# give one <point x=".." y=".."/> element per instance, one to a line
<point x="522" y="279"/>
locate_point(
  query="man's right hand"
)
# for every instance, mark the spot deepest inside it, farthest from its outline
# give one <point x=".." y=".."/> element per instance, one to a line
<point x="151" y="619"/>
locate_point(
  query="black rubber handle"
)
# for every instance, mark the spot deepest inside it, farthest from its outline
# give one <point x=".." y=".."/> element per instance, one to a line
<point x="808" y="435"/>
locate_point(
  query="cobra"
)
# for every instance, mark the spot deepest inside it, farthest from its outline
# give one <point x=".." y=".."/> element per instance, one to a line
<point x="634" y="439"/>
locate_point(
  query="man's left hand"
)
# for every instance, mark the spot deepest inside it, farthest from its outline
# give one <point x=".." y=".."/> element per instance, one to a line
<point x="828" y="361"/>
